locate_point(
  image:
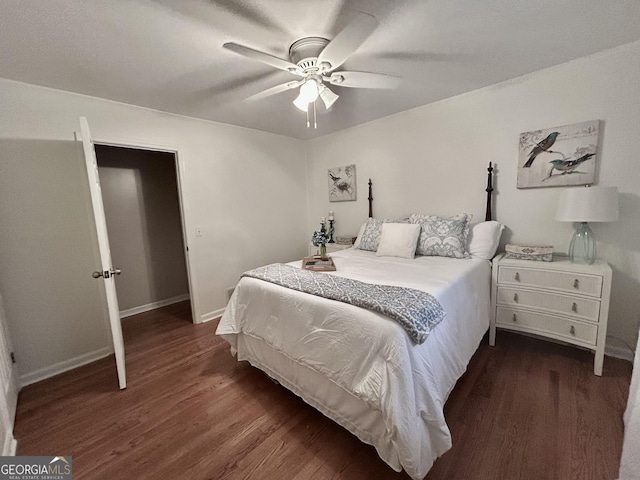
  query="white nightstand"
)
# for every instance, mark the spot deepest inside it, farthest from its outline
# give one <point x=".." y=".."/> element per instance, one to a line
<point x="331" y="247"/>
<point x="561" y="300"/>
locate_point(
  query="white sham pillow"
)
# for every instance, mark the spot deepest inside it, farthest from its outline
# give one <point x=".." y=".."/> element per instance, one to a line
<point x="356" y="244"/>
<point x="484" y="238"/>
<point x="398" y="240"/>
<point x="443" y="237"/>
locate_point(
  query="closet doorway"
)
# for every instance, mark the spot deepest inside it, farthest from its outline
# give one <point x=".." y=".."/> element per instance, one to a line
<point x="142" y="204"/>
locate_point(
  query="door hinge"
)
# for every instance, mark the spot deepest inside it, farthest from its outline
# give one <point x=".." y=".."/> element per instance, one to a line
<point x="13" y="358"/>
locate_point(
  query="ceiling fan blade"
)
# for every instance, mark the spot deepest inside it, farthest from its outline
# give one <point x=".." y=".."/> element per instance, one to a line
<point x="364" y="80"/>
<point x="347" y="41"/>
<point x="263" y="57"/>
<point x="275" y="90"/>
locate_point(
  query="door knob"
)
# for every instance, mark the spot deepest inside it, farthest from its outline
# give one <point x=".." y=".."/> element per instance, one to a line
<point x="106" y="273"/>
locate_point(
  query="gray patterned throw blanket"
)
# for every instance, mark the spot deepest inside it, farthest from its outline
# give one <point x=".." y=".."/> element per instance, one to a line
<point x="416" y="311"/>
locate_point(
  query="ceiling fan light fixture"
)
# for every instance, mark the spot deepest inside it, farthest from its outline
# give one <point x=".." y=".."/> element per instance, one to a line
<point x="327" y="96"/>
<point x="309" y="90"/>
<point x="300" y="103"/>
<point x="308" y="93"/>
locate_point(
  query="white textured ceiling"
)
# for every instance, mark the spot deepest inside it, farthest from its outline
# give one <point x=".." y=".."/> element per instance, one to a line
<point x="168" y="55"/>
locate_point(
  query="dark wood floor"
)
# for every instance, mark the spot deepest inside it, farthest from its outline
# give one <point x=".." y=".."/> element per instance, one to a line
<point x="526" y="409"/>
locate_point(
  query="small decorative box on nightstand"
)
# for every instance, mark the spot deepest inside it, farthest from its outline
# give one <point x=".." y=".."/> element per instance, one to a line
<point x="561" y="300"/>
<point x="331" y="247"/>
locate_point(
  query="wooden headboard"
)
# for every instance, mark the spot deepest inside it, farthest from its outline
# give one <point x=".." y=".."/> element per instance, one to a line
<point x="488" y="212"/>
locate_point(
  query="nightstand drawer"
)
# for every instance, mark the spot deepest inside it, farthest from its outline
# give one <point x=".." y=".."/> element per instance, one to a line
<point x="577" y="307"/>
<point x="566" y="281"/>
<point x="549" y="325"/>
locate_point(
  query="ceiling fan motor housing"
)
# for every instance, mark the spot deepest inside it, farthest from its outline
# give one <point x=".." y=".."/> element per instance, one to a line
<point x="304" y="52"/>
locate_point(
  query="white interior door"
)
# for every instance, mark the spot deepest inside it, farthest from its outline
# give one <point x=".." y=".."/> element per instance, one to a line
<point x="108" y="273"/>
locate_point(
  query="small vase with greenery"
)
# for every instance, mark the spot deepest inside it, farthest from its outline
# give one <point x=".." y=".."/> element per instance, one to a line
<point x="320" y="239"/>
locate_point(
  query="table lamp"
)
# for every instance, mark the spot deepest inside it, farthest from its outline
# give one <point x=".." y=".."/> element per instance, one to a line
<point x="583" y="205"/>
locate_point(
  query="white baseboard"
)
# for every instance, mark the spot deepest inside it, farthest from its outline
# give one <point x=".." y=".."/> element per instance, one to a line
<point x="617" y="351"/>
<point x="207" y="317"/>
<point x="153" y="305"/>
<point x="9" y="445"/>
<point x="52" y="370"/>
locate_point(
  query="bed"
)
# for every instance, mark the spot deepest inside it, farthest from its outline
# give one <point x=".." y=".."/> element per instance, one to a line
<point x="359" y="367"/>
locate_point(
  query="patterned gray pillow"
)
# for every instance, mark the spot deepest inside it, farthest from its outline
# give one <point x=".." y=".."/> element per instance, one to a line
<point x="443" y="237"/>
<point x="373" y="231"/>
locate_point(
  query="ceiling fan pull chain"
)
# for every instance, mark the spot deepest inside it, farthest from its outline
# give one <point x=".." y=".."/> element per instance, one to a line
<point x="315" y="120"/>
<point x="308" y="123"/>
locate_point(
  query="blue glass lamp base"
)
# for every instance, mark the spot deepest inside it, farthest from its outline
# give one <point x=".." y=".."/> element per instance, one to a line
<point x="582" y="248"/>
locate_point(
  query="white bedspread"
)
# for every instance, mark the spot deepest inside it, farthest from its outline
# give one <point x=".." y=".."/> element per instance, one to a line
<point x="365" y="354"/>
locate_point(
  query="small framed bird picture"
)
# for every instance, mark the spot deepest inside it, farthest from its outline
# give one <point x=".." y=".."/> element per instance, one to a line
<point x="342" y="183"/>
<point x="558" y="156"/>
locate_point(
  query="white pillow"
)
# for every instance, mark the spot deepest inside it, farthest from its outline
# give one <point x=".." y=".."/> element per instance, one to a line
<point x="356" y="244"/>
<point x="398" y="240"/>
<point x="484" y="239"/>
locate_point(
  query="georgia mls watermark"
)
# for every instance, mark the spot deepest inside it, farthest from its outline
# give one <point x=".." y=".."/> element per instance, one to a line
<point x="36" y="468"/>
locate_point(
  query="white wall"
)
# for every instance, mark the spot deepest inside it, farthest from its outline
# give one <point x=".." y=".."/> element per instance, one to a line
<point x="433" y="159"/>
<point x="245" y="190"/>
<point x="55" y="310"/>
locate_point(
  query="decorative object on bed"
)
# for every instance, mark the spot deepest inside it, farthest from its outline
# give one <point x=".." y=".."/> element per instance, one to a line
<point x="370" y="237"/>
<point x="398" y="240"/>
<point x="320" y="238"/>
<point x="589" y="204"/>
<point x="484" y="238"/>
<point x="538" y="253"/>
<point x="416" y="311"/>
<point x="558" y="156"/>
<point x="342" y="184"/>
<point x="442" y="237"/>
<point x="318" y="264"/>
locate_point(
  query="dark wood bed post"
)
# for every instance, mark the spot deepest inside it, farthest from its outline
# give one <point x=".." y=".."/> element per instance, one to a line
<point x="489" y="190"/>
<point x="370" y="201"/>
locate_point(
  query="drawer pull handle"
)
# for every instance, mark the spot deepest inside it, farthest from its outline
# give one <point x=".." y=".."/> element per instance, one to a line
<point x="515" y="319"/>
<point x="515" y="297"/>
<point x="516" y="277"/>
<point x="572" y="330"/>
<point x="574" y="307"/>
<point x="576" y="283"/>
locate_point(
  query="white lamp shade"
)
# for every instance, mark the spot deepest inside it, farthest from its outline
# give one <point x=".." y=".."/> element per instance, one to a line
<point x="301" y="103"/>
<point x="589" y="204"/>
<point x="327" y="96"/>
<point x="309" y="90"/>
<point x="308" y="93"/>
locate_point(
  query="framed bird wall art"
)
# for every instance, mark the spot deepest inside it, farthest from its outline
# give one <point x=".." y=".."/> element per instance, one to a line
<point x="558" y="156"/>
<point x="342" y="183"/>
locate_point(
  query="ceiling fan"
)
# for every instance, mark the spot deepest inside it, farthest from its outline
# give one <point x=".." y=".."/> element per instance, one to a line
<point x="315" y="59"/>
